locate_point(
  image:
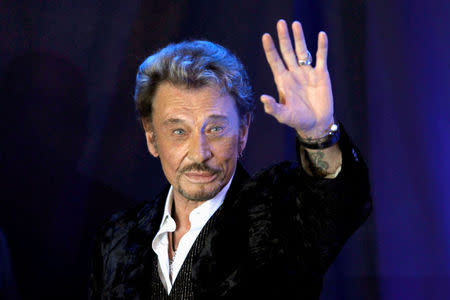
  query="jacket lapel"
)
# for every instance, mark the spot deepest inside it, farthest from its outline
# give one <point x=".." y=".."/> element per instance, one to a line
<point x="216" y="270"/>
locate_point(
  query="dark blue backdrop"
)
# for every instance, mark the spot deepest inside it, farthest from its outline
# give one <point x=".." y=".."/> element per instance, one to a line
<point x="72" y="152"/>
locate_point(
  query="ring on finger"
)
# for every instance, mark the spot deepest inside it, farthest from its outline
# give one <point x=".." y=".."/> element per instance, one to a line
<point x="305" y="61"/>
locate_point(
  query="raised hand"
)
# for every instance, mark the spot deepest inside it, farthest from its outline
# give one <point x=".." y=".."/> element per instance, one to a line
<point x="305" y="96"/>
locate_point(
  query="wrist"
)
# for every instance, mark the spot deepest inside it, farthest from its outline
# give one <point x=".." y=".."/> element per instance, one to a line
<point x="321" y="138"/>
<point x="318" y="130"/>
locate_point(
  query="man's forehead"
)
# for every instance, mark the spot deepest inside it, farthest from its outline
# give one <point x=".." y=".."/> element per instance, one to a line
<point x="209" y="101"/>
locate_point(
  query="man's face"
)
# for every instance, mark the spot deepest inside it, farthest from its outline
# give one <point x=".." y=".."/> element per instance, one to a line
<point x="198" y="137"/>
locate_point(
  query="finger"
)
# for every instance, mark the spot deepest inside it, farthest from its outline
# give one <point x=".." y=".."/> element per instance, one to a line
<point x="322" y="51"/>
<point x="299" y="40"/>
<point x="286" y="45"/>
<point x="272" y="56"/>
<point x="270" y="105"/>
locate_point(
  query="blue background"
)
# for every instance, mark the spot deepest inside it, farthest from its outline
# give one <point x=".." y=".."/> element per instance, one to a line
<point x="72" y="151"/>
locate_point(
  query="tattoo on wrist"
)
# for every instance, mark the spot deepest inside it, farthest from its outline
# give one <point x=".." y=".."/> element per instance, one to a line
<point x="317" y="165"/>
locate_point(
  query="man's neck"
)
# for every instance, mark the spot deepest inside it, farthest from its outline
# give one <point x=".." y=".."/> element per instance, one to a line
<point x="181" y="209"/>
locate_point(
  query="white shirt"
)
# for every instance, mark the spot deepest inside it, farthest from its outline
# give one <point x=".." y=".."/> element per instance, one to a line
<point x="198" y="218"/>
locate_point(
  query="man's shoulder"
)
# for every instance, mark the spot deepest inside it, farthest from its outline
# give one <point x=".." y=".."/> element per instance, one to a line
<point x="126" y="218"/>
<point x="139" y="218"/>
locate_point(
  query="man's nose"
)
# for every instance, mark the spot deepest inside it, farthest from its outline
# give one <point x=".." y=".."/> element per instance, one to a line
<point x="200" y="149"/>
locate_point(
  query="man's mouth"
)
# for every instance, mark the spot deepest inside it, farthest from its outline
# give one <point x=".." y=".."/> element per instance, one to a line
<point x="200" y="176"/>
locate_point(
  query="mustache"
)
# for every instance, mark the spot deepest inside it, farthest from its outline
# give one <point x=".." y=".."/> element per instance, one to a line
<point x="198" y="167"/>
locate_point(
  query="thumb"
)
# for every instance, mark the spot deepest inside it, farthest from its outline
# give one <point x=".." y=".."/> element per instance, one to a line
<point x="270" y="105"/>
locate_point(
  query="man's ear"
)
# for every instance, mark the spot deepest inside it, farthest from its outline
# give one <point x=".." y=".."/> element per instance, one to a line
<point x="150" y="137"/>
<point x="243" y="132"/>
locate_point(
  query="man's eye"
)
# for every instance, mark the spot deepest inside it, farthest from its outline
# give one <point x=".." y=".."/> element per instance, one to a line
<point x="216" y="129"/>
<point x="178" y="131"/>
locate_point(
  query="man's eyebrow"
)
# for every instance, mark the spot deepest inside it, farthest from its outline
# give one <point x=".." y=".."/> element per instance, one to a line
<point x="215" y="117"/>
<point x="218" y="117"/>
<point x="173" y="121"/>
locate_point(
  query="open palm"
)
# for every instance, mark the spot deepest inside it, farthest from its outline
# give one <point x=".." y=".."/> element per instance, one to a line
<point x="305" y="96"/>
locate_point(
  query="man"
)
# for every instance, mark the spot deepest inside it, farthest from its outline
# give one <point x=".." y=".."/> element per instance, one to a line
<point x="216" y="232"/>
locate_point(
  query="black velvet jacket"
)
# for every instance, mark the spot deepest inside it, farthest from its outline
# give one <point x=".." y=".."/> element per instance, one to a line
<point x="277" y="234"/>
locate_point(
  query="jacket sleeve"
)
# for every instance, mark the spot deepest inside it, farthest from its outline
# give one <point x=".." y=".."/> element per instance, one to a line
<point x="329" y="211"/>
<point x="299" y="223"/>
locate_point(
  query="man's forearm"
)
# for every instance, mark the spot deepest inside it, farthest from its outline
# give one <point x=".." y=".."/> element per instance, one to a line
<point x="321" y="162"/>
